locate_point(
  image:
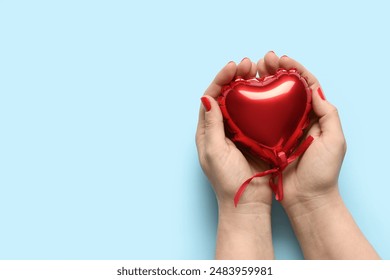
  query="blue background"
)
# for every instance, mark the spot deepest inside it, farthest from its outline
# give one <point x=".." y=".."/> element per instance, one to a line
<point x="98" y="110"/>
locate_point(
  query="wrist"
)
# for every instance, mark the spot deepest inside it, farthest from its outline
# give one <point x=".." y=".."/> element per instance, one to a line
<point x="305" y="206"/>
<point x="326" y="230"/>
<point x="244" y="232"/>
<point x="226" y="208"/>
<point x="256" y="198"/>
<point x="246" y="220"/>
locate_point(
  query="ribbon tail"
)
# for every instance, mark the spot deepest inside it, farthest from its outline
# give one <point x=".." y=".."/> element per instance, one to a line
<point x="279" y="194"/>
<point x="241" y="190"/>
<point x="273" y="185"/>
<point x="301" y="149"/>
<point x="244" y="185"/>
<point x="277" y="188"/>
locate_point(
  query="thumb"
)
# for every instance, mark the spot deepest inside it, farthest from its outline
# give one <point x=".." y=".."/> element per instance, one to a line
<point x="327" y="114"/>
<point x="213" y="122"/>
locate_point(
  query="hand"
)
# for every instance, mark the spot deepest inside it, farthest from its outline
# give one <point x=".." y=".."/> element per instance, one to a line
<point x="243" y="232"/>
<point x="225" y="166"/>
<point x="322" y="223"/>
<point x="315" y="174"/>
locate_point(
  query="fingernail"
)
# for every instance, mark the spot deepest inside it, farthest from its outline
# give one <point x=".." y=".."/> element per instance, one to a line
<point x="231" y="61"/>
<point x="283" y="56"/>
<point x="320" y="93"/>
<point x="272" y="52"/>
<point x="206" y="103"/>
<point x="243" y="59"/>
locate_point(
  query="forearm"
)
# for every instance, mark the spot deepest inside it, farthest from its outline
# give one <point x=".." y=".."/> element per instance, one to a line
<point x="244" y="233"/>
<point x="326" y="230"/>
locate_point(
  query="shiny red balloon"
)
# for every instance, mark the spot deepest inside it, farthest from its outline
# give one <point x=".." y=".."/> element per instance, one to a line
<point x="267" y="116"/>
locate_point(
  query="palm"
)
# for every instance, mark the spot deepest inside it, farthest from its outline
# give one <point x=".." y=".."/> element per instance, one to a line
<point x="247" y="165"/>
<point x="229" y="168"/>
<point x="306" y="177"/>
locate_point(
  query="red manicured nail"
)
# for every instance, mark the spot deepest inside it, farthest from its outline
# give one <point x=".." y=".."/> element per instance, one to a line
<point x="206" y="103"/>
<point x="320" y="93"/>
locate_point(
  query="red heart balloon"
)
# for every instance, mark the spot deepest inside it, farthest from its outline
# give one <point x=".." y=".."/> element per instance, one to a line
<point x="267" y="116"/>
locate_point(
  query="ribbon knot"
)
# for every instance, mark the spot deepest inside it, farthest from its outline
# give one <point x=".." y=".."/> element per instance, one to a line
<point x="282" y="160"/>
<point x="276" y="180"/>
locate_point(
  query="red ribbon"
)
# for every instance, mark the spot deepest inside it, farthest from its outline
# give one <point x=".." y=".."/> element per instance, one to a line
<point x="277" y="172"/>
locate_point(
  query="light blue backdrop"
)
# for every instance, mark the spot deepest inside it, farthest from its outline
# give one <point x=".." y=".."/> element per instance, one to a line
<point x="99" y="104"/>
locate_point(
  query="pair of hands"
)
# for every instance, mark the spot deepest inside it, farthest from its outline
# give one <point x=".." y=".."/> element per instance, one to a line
<point x="323" y="225"/>
<point x="307" y="181"/>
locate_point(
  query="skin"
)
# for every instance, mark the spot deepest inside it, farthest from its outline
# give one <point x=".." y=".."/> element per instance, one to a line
<point x="323" y="225"/>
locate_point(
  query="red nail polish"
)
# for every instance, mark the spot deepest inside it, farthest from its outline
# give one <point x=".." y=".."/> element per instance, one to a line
<point x="206" y="103"/>
<point x="320" y="93"/>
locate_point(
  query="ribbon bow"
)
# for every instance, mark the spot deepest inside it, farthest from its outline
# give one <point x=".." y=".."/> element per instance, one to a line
<point x="277" y="172"/>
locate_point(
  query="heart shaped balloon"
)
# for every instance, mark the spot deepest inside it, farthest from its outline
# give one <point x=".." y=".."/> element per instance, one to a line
<point x="267" y="116"/>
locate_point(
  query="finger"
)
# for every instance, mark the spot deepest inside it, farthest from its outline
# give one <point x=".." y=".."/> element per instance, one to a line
<point x="271" y="61"/>
<point x="288" y="63"/>
<point x="253" y="72"/>
<point x="224" y="76"/>
<point x="214" y="133"/>
<point x="244" y="68"/>
<point x="199" y="136"/>
<point x="261" y="69"/>
<point x="327" y="114"/>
